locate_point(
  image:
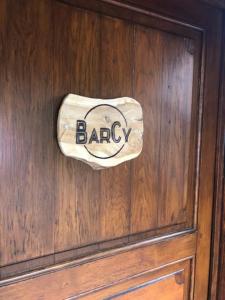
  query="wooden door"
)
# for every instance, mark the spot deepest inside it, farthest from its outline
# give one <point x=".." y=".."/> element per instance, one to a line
<point x="140" y="230"/>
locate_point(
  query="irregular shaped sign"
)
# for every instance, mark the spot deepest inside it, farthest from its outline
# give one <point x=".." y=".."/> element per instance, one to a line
<point x="102" y="133"/>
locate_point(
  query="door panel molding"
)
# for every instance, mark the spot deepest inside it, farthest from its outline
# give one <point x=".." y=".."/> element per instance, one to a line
<point x="180" y="271"/>
<point x="76" y="277"/>
<point x="201" y="27"/>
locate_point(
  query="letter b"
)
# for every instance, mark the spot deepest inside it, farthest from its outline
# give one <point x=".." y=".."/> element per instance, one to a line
<point x="81" y="134"/>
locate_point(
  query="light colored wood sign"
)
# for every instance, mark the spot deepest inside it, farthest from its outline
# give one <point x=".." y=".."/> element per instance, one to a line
<point x="102" y="133"/>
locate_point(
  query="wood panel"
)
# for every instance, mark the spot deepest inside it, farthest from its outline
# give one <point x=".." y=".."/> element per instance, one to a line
<point x="26" y="130"/>
<point x="114" y="59"/>
<point x="82" y="206"/>
<point x="217" y="3"/>
<point x="177" y="287"/>
<point x="72" y="281"/>
<point x="76" y="69"/>
<point x="116" y="73"/>
<point x="49" y="203"/>
<point x="208" y="153"/>
<point x="218" y="258"/>
<point x="217" y="272"/>
<point x="154" y="13"/>
<point x="155" y="290"/>
<point x="221" y="275"/>
<point x="164" y="66"/>
<point x="176" y="117"/>
<point x="144" y="179"/>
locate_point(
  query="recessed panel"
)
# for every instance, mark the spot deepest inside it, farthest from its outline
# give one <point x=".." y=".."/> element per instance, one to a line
<point x="163" y="80"/>
<point x="54" y="203"/>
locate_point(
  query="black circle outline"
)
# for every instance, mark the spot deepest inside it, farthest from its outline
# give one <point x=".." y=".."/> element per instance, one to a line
<point x="126" y="126"/>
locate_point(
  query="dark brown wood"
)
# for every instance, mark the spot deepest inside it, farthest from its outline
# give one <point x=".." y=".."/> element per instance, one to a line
<point x="76" y="70"/>
<point x="217" y="3"/>
<point x="82" y="252"/>
<point x="191" y="13"/>
<point x="69" y="281"/>
<point x="144" y="186"/>
<point x="176" y="112"/>
<point x="54" y="209"/>
<point x="116" y="75"/>
<point x="151" y="206"/>
<point x="221" y="267"/>
<point x="217" y="283"/>
<point x="26" y="128"/>
<point x="180" y="272"/>
<point x="152" y="289"/>
<point x="207" y="163"/>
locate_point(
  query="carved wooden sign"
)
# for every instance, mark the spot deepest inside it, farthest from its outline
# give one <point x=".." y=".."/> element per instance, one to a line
<point x="102" y="133"/>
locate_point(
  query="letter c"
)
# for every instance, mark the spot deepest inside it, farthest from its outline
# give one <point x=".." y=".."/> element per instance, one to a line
<point x="115" y="140"/>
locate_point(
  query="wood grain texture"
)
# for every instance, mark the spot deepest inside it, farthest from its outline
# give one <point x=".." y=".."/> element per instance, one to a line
<point x="192" y="13"/>
<point x="115" y="80"/>
<point x="221" y="275"/>
<point x="101" y="133"/>
<point x="155" y="290"/>
<point x="163" y="83"/>
<point x="175" y="139"/>
<point x="73" y="281"/>
<point x="218" y="257"/>
<point x="208" y="153"/>
<point x="53" y="209"/>
<point x="144" y="180"/>
<point x="76" y="70"/>
<point x="104" y="62"/>
<point x="217" y="271"/>
<point x="180" y="271"/>
<point x="26" y="128"/>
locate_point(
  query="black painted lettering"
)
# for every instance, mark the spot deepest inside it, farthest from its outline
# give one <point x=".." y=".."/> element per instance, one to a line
<point x="81" y="134"/>
<point x="126" y="134"/>
<point x="104" y="135"/>
<point x="94" y="137"/>
<point x="115" y="140"/>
